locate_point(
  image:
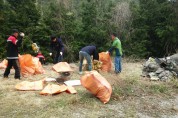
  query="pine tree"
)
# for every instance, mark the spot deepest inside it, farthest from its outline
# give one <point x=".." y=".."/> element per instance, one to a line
<point x="154" y="32"/>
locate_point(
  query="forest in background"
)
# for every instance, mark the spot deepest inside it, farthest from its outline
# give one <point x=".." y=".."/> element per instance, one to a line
<point x="145" y="27"/>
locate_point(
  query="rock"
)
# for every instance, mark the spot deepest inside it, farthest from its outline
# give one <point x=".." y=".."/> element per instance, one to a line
<point x="174" y="57"/>
<point x="153" y="67"/>
<point x="175" y="107"/>
<point x="164" y="78"/>
<point x="162" y="74"/>
<point x="159" y="70"/>
<point x="153" y="76"/>
<point x="145" y="74"/>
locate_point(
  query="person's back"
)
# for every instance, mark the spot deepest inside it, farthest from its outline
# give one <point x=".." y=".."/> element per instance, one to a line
<point x="86" y="53"/>
<point x="118" y="46"/>
<point x="91" y="50"/>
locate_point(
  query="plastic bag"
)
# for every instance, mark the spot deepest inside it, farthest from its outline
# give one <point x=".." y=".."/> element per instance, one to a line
<point x="106" y="61"/>
<point x="97" y="85"/>
<point x="52" y="89"/>
<point x="30" y="86"/>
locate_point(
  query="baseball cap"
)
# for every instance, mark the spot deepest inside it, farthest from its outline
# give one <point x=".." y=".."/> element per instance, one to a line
<point x="15" y="31"/>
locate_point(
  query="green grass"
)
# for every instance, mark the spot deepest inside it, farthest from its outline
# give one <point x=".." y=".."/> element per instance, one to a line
<point x="158" y="88"/>
<point x="127" y="88"/>
<point x="136" y="87"/>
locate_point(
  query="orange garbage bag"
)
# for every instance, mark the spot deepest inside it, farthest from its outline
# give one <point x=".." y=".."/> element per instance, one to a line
<point x="106" y="61"/>
<point x="62" y="67"/>
<point x="30" y="86"/>
<point x="3" y="64"/>
<point x="97" y="85"/>
<point x="38" y="67"/>
<point x="71" y="90"/>
<point x="52" y="89"/>
<point x="30" y="65"/>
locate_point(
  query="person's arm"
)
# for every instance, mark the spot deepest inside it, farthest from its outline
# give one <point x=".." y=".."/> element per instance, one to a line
<point x="51" y="47"/>
<point x="95" y="55"/>
<point x="61" y="45"/>
<point x="114" y="44"/>
<point x="111" y="49"/>
<point x="19" y="41"/>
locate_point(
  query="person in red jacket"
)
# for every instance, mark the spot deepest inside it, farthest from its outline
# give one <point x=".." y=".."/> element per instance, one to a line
<point x="41" y="57"/>
<point x="13" y="42"/>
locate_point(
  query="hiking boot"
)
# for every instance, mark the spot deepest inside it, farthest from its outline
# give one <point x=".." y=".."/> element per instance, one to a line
<point x="5" y="77"/>
<point x="118" y="72"/>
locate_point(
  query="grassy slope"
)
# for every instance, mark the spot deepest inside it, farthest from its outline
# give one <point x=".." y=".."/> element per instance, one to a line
<point x="132" y="97"/>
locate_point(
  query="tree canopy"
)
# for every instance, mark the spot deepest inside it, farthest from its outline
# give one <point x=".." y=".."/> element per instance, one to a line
<point x="145" y="27"/>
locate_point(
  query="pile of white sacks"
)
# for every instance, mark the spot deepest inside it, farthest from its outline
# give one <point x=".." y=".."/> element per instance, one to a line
<point x="161" y="68"/>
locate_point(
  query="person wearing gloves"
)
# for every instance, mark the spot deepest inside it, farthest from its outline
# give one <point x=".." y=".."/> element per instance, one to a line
<point x="12" y="53"/>
<point x="86" y="52"/>
<point x="57" y="49"/>
<point x="116" y="50"/>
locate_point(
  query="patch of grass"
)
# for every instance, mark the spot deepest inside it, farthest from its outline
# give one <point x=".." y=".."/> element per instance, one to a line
<point x="1" y="94"/>
<point x="88" y="99"/>
<point x="158" y="88"/>
<point x="125" y="87"/>
<point x="123" y="91"/>
<point x="131" y="81"/>
<point x="129" y="93"/>
<point x="130" y="113"/>
<point x="174" y="83"/>
<point x="61" y="103"/>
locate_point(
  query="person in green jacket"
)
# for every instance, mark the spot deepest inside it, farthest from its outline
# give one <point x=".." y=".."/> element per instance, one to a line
<point x="116" y="51"/>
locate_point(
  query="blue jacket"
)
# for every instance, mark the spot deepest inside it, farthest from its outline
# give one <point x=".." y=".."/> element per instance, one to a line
<point x="57" y="46"/>
<point x="91" y="50"/>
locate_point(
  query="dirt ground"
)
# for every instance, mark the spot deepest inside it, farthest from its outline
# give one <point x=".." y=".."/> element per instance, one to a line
<point x="132" y="97"/>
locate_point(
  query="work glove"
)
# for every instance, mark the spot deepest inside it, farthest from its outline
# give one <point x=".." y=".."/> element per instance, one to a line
<point x="50" y="54"/>
<point x="61" y="53"/>
<point x="22" y="34"/>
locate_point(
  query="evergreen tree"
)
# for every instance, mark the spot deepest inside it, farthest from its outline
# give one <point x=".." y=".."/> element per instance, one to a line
<point x="2" y="25"/>
<point x="19" y="14"/>
<point x="62" y="22"/>
<point x="154" y="30"/>
<point x="95" y="25"/>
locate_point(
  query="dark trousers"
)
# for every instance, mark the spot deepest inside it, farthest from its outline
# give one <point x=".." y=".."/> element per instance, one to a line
<point x="13" y="63"/>
<point x="57" y="57"/>
<point x="42" y="60"/>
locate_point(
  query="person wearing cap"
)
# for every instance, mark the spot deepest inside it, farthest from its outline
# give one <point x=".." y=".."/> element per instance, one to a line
<point x="12" y="53"/>
<point x="86" y="52"/>
<point x="116" y="50"/>
<point x="56" y="49"/>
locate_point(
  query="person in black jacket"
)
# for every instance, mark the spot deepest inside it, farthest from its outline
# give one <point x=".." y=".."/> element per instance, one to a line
<point x="57" y="49"/>
<point x="86" y="53"/>
<point x="12" y="53"/>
